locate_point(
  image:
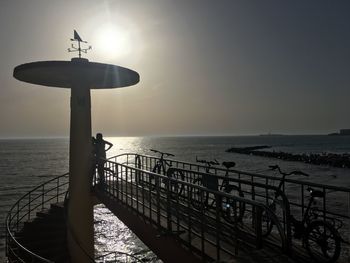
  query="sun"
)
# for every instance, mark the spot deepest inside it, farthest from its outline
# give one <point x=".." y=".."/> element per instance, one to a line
<point x="112" y="42"/>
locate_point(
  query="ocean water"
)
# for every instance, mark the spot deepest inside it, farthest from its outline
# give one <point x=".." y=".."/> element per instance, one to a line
<point x="26" y="163"/>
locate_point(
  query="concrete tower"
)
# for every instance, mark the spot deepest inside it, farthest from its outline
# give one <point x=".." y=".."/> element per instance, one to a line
<point x="80" y="76"/>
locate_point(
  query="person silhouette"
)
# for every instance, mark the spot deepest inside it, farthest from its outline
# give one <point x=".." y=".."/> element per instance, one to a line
<point x="100" y="155"/>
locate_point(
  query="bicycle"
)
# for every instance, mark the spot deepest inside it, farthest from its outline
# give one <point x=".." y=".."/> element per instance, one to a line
<point x="233" y="190"/>
<point x="277" y="201"/>
<point x="161" y="167"/>
<point x="320" y="237"/>
<point x="229" y="209"/>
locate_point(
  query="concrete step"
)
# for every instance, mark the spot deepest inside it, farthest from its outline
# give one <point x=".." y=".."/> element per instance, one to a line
<point x="44" y="244"/>
<point x="49" y="216"/>
<point x="45" y="235"/>
<point x="35" y="227"/>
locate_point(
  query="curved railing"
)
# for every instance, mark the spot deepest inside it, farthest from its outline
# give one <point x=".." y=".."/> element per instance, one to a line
<point x="25" y="209"/>
<point x="117" y="256"/>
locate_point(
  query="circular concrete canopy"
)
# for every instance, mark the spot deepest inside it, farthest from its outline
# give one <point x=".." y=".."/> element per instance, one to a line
<point x="78" y="72"/>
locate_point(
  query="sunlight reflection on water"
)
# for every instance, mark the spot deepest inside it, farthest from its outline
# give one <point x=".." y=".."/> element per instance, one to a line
<point x="112" y="235"/>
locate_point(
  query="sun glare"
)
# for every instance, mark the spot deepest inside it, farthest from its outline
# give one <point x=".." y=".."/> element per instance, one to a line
<point x="112" y="42"/>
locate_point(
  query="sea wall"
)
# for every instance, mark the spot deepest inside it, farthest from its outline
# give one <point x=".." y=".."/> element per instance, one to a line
<point x="330" y="159"/>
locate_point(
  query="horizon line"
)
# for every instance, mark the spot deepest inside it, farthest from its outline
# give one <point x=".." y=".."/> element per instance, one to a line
<point x="168" y="135"/>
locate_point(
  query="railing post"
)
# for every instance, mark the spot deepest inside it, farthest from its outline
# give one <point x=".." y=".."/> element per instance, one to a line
<point x="235" y="227"/>
<point x="189" y="212"/>
<point x="150" y="195"/>
<point x="302" y="200"/>
<point x="218" y="202"/>
<point x="136" y="184"/>
<point x="258" y="226"/>
<point x="58" y="183"/>
<point x="131" y="188"/>
<point x="7" y="237"/>
<point x="202" y="223"/>
<point x="168" y="190"/>
<point x="158" y="201"/>
<point x="126" y="185"/>
<point x="113" y="180"/>
<point x="17" y="221"/>
<point x="29" y="203"/>
<point x="42" y="197"/>
<point x="118" y="183"/>
<point x="125" y="178"/>
<point x="253" y="198"/>
<point x="324" y="204"/>
<point x="143" y="193"/>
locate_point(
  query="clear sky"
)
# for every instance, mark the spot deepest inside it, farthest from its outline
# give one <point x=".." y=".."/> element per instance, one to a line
<point x="207" y="67"/>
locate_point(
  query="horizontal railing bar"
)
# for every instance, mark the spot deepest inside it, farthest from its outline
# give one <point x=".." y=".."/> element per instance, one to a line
<point x="237" y="198"/>
<point x="287" y="180"/>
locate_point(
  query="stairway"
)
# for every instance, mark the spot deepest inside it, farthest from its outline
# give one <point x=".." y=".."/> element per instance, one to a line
<point x="46" y="234"/>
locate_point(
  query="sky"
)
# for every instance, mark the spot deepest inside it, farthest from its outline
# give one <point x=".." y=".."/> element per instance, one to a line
<point x="206" y="67"/>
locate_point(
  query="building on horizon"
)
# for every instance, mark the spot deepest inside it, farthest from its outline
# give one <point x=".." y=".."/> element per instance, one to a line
<point x="344" y="131"/>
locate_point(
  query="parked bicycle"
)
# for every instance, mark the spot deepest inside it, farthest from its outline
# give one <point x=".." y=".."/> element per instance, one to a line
<point x="231" y="210"/>
<point x="319" y="236"/>
<point x="161" y="167"/>
<point x="277" y="204"/>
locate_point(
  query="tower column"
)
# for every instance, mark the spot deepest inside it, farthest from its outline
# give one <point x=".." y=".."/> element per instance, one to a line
<point x="80" y="208"/>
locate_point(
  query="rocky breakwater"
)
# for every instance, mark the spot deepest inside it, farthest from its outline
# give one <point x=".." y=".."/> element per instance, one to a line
<point x="330" y="159"/>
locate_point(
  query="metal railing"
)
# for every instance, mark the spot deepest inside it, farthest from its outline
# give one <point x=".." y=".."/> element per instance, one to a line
<point x="250" y="190"/>
<point x="151" y="196"/>
<point x="174" y="212"/>
<point x="117" y="256"/>
<point x="334" y="205"/>
<point x="25" y="209"/>
<point x="336" y="202"/>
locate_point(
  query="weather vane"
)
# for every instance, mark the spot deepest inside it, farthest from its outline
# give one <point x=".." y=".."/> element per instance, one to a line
<point x="79" y="49"/>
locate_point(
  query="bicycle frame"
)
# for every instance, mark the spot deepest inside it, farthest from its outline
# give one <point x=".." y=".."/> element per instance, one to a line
<point x="161" y="162"/>
<point x="225" y="205"/>
<point x="301" y="225"/>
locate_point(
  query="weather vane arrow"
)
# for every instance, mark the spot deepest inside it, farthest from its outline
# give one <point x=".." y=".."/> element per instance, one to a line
<point x="78" y="49"/>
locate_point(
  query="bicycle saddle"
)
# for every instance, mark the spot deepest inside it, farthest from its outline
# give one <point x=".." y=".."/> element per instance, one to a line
<point x="315" y="193"/>
<point x="228" y="165"/>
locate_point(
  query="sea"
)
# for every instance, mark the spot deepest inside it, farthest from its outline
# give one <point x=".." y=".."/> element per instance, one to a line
<point x="26" y="163"/>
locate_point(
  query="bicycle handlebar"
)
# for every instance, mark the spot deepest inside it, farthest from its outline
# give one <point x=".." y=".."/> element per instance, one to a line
<point x="215" y="162"/>
<point x="276" y="167"/>
<point x="300" y="173"/>
<point x="163" y="153"/>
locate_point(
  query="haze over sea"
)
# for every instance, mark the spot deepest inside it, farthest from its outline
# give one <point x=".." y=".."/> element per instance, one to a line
<point x="25" y="163"/>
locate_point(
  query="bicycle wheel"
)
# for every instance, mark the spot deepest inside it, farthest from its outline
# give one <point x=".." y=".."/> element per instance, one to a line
<point x="175" y="186"/>
<point x="233" y="211"/>
<point x="266" y="223"/>
<point x="277" y="208"/>
<point x="322" y="242"/>
<point x="195" y="195"/>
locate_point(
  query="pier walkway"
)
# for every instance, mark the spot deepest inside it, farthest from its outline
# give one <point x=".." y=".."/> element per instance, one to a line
<point x="177" y="217"/>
